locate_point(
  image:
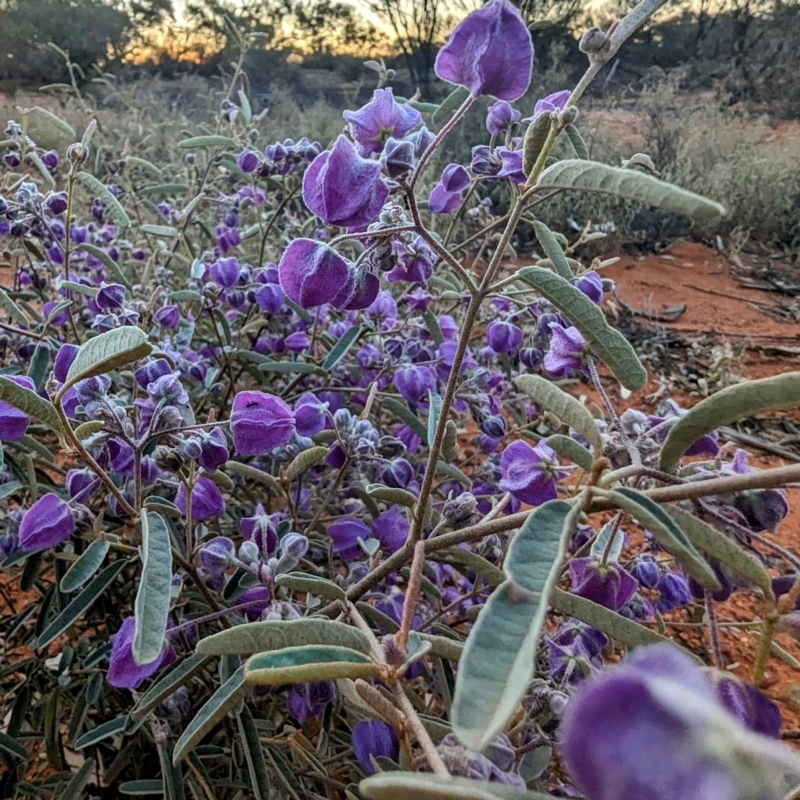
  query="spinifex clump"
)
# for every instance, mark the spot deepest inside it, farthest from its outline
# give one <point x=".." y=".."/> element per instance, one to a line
<point x="292" y="500"/>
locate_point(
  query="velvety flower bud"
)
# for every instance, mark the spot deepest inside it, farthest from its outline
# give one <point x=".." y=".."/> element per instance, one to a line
<point x="443" y="202"/>
<point x="81" y="484"/>
<point x="374" y="738"/>
<point x="398" y="473"/>
<point x="225" y="272"/>
<point x="313" y="274"/>
<point x="646" y="571"/>
<point x="207" y="500"/>
<point x="755" y="711"/>
<point x="345" y="533"/>
<point x="110" y="295"/>
<point x="213" y="450"/>
<point x="270" y="297"/>
<point x="292" y="548"/>
<point x="57" y="203"/>
<point x="216" y="555"/>
<point x="310" y="414"/>
<point x="169" y="390"/>
<point x="489" y="52"/>
<point x="414" y="382"/>
<point x="530" y="473"/>
<point x="342" y="188"/>
<point x="606" y="584"/>
<point x="674" y="592"/>
<point x="494" y="426"/>
<point x="503" y="337"/>
<point x="455" y="178"/>
<point x="261" y="530"/>
<point x="120" y="457"/>
<point x="248" y="161"/>
<point x="168" y="317"/>
<point x="307" y="700"/>
<point x="259" y="423"/>
<point x="249" y="552"/>
<point x="659" y="701"/>
<point x="501" y="116"/>
<point x="391" y="529"/>
<point x="383" y="117"/>
<point x="398" y="157"/>
<point x="50" y="159"/>
<point x="460" y="511"/>
<point x="13" y="422"/>
<point x="150" y="372"/>
<point x="591" y="284"/>
<point x="47" y="523"/>
<point x="123" y="671"/>
<point x="594" y="41"/>
<point x="568" y="351"/>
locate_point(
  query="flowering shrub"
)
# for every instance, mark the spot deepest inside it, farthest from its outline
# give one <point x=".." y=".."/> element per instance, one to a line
<point x="294" y="505"/>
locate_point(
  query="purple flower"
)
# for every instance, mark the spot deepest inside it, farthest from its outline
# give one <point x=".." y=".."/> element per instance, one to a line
<point x="225" y="272"/>
<point x="397" y="157"/>
<point x="111" y="295"/>
<point x="489" y="52"/>
<point x="443" y="202"/>
<point x="503" y="337"/>
<point x="261" y="529"/>
<point x="307" y="700"/>
<point x="591" y="284"/>
<point x="455" y="178"/>
<point x="391" y="529"/>
<point x="207" y="500"/>
<point x="646" y="571"/>
<point x="674" y="592"/>
<point x="270" y="297"/>
<point x="374" y="738"/>
<point x="213" y="449"/>
<point x="530" y="473"/>
<point x="313" y="274"/>
<point x="81" y="484"/>
<point x="46" y="523"/>
<point x="123" y="671"/>
<point x="657" y="702"/>
<point x="415" y="262"/>
<point x="605" y="584"/>
<point x="260" y="422"/>
<point x="342" y="188"/>
<point x="310" y="414"/>
<point x="501" y="116"/>
<point x="414" y="382"/>
<point x="511" y="165"/>
<point x="345" y="533"/>
<point x="705" y="445"/>
<point x="13" y="422"/>
<point x="749" y="706"/>
<point x="50" y="159"/>
<point x="216" y="555"/>
<point x="553" y="102"/>
<point x="168" y="316"/>
<point x="383" y="117"/>
<point x="248" y="161"/>
<point x="567" y="353"/>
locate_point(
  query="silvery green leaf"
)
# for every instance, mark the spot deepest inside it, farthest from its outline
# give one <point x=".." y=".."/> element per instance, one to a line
<point x="342" y="347"/>
<point x="87" y="564"/>
<point x="153" y="596"/>
<point x="735" y="402"/>
<point x="28" y="401"/>
<point x="571" y="450"/>
<point x="78" y="781"/>
<point x="390" y="494"/>
<point x="570" y="411"/>
<point x="601" y="542"/>
<point x="449" y="105"/>
<point x="553" y="249"/>
<point x="107" y="352"/>
<point x="224" y="700"/>
<point x="304" y="460"/>
<point x="113" y="207"/>
<point x="40" y="361"/>
<point x="434" y="412"/>
<point x="33" y="157"/>
<point x="716" y="544"/>
<point x="535" y="137"/>
<point x="424" y="786"/>
<point x="247" y="110"/>
<point x="164" y="231"/>
<point x="302" y="582"/>
<point x="407" y="415"/>
<point x="308" y="663"/>
<point x="253" y="753"/>
<point x="12" y="309"/>
<point x="142" y="163"/>
<point x="114" y="269"/>
<point x="101" y="732"/>
<point x="577" y="142"/>
<point x="258" y="637"/>
<point x="206" y="141"/>
<point x="498" y="661"/>
<point x="57" y="122"/>
<point x="591" y="176"/>
<point x="608" y="344"/>
<point x="668" y="534"/>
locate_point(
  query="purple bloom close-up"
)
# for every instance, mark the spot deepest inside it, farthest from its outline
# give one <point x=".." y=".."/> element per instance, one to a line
<point x="374" y="738"/>
<point x="313" y="274"/>
<point x="47" y="523"/>
<point x="607" y="584"/>
<point x="568" y="351"/>
<point x="380" y="119"/>
<point x="530" y="473"/>
<point x="260" y="422"/>
<point x="123" y="671"/>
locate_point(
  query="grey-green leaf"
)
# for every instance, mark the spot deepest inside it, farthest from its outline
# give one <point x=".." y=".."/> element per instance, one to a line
<point x="154" y="594"/>
<point x="11" y="308"/>
<point x="631" y="184"/>
<point x="87" y="564"/>
<point x="390" y="494"/>
<point x="80" y="604"/>
<point x="57" y="122"/>
<point x="408" y="416"/>
<point x="569" y="410"/>
<point x="302" y="461"/>
<point x="668" y="534"/>
<point x="259" y="637"/>
<point x="716" y="544"/>
<point x="736" y="402"/>
<point x="218" y="705"/>
<point x="113" y="207"/>
<point x="342" y="347"/>
<point x="301" y="582"/>
<point x="571" y="450"/>
<point x="308" y="663"/>
<point x="608" y="344"/>
<point x="110" y="728"/>
<point x="553" y="249"/>
<point x="577" y="142"/>
<point x="12" y="746"/>
<point x="107" y="352"/>
<point x="114" y="269"/>
<point x="449" y="105"/>
<point x="434" y="412"/>
<point x="498" y="661"/>
<point x="424" y="786"/>
<point x="206" y="141"/>
<point x="28" y="401"/>
<point x="75" y="787"/>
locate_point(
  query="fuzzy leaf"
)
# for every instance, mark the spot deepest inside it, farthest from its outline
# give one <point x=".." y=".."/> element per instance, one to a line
<point x="389" y="494"/>
<point x="735" y="402"/>
<point x="308" y="663"/>
<point x="113" y="207"/>
<point x="304" y="460"/>
<point x="114" y="270"/>
<point x="154" y="594"/>
<point x="216" y="708"/>
<point x="535" y="137"/>
<point x="87" y="564"/>
<point x="668" y="534"/>
<point x="577" y="142"/>
<point x="631" y="184"/>
<point x="101" y="732"/>
<point x="424" y="786"/>
<point x="258" y="637"/>
<point x="254" y="754"/>
<point x="407" y="416"/>
<point x="571" y="450"/>
<point x="608" y="344"/>
<point x="12" y="309"/>
<point x="342" y="347"/>
<point x="434" y="412"/>
<point x="107" y="352"/>
<point x="57" y="122"/>
<point x="553" y="249"/>
<point x="12" y="746"/>
<point x="37" y="162"/>
<point x="77" y="783"/>
<point x="30" y="402"/>
<point x="301" y="582"/>
<point x="205" y="141"/>
<point x="163" y="231"/>
<point x="498" y="661"/>
<point x="569" y="410"/>
<point x="142" y="163"/>
<point x="449" y="105"/>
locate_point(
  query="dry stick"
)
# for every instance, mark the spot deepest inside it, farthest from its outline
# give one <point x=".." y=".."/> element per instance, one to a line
<point x="713" y="630"/>
<point x="412" y="594"/>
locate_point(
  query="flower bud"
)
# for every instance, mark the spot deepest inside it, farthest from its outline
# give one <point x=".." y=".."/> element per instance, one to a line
<point x="594" y="41"/>
<point x="216" y="555"/>
<point x="248" y="552"/>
